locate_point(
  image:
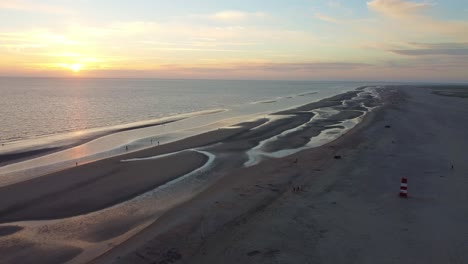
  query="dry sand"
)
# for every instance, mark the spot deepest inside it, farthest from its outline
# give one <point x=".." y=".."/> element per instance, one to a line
<point x="346" y="210"/>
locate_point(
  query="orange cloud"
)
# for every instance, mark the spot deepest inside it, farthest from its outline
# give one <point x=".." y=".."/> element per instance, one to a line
<point x="397" y="8"/>
<point x="407" y="20"/>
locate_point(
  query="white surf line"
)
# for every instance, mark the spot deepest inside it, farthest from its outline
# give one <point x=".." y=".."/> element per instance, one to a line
<point x="319" y="114"/>
<point x="307" y="93"/>
<point x="266" y="101"/>
<point x="205" y="167"/>
<point x="208" y="164"/>
<point x="71" y="137"/>
<point x="271" y="118"/>
<point x="157" y="156"/>
<point x="110" y="145"/>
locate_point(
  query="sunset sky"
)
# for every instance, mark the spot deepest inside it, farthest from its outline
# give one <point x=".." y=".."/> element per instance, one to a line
<point x="236" y="39"/>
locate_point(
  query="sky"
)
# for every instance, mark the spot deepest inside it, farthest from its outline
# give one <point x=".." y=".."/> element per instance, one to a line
<point x="373" y="40"/>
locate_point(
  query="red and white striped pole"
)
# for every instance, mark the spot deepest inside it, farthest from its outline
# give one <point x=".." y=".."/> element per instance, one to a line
<point x="404" y="188"/>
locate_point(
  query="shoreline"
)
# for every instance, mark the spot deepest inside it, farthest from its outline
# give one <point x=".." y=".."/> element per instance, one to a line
<point x="345" y="208"/>
<point x="35" y="152"/>
<point x="242" y="130"/>
<point x="49" y="159"/>
<point x="17" y="150"/>
<point x="158" y="241"/>
<point x="53" y="194"/>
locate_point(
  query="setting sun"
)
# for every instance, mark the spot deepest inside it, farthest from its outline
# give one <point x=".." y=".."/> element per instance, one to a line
<point x="75" y="67"/>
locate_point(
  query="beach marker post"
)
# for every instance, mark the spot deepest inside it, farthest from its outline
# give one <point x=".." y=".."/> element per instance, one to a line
<point x="404" y="188"/>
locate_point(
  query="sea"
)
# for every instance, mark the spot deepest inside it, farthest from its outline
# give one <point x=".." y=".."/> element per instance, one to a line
<point x="97" y="118"/>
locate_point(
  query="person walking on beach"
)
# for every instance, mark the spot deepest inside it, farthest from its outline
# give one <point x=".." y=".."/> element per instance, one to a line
<point x="126" y="148"/>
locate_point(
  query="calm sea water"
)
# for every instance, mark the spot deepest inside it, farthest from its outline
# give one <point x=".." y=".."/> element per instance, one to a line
<point x="84" y="120"/>
<point x="38" y="107"/>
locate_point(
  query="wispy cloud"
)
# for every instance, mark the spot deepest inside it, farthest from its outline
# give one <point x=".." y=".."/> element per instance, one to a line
<point x="395" y="38"/>
<point x="443" y="45"/>
<point x="326" y="18"/>
<point x="231" y="16"/>
<point x="408" y="20"/>
<point x="237" y="15"/>
<point x="33" y="7"/>
<point x="149" y="44"/>
<point x="424" y="52"/>
<point x="242" y="70"/>
<point x="397" y="8"/>
<point x="428" y="49"/>
<point x="420" y="69"/>
<point x="310" y="66"/>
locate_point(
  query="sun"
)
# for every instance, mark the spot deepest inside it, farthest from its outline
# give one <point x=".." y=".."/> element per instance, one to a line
<point x="75" y="67"/>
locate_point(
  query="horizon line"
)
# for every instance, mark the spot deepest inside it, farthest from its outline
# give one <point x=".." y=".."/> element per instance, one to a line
<point x="217" y="79"/>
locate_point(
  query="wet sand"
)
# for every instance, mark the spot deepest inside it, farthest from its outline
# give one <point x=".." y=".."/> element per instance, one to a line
<point x="312" y="207"/>
<point x="100" y="184"/>
<point x="30" y="253"/>
<point x="108" y="182"/>
<point x="251" y="214"/>
<point x="9" y="158"/>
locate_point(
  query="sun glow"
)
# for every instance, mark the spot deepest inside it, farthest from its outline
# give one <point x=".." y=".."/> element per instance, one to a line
<point x="75" y="67"/>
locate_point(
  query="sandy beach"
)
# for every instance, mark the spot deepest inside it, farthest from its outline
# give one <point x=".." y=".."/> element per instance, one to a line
<point x="286" y="202"/>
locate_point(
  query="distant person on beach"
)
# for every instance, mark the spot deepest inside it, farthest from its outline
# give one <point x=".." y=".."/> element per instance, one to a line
<point x="158" y="143"/>
<point x="126" y="148"/>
